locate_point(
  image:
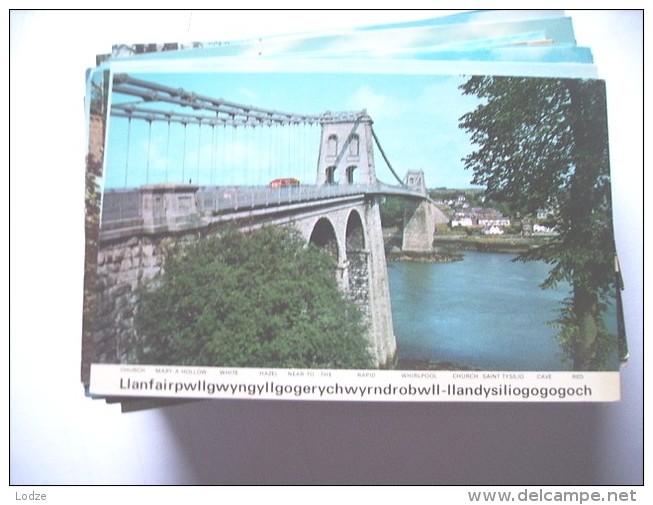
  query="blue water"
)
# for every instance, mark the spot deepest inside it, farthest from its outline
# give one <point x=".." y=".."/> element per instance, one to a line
<point x="485" y="312"/>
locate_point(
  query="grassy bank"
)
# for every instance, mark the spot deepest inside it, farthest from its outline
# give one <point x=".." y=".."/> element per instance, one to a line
<point x="484" y="243"/>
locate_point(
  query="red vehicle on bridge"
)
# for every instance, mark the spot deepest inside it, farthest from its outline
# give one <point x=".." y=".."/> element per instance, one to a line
<point x="283" y="183"/>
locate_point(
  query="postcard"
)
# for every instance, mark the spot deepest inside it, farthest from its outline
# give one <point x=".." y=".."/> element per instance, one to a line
<point x="467" y="31"/>
<point x="297" y="230"/>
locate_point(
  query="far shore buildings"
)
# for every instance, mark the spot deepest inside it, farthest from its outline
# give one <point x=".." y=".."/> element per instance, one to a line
<point x="489" y="221"/>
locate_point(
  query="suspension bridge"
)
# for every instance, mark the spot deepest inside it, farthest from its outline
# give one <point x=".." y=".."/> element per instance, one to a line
<point x="259" y="141"/>
<point x="250" y="166"/>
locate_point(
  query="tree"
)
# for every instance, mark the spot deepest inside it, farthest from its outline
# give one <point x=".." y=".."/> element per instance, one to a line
<point x="392" y="212"/>
<point x="542" y="144"/>
<point x="256" y="299"/>
<point x="97" y="129"/>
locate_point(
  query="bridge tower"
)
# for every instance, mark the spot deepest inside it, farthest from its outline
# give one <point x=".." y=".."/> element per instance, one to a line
<point x="346" y="150"/>
<point x="419" y="217"/>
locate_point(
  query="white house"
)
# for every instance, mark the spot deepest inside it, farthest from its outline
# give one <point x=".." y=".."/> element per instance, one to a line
<point x="538" y="228"/>
<point x="465" y="221"/>
<point x="492" y="230"/>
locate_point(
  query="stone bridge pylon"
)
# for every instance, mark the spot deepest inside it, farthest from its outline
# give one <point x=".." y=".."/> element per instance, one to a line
<point x="420" y="217"/>
<point x="347" y="151"/>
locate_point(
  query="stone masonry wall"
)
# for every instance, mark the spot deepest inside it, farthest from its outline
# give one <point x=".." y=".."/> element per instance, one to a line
<point x="379" y="288"/>
<point x="419" y="226"/>
<point x="124" y="268"/>
<point x="359" y="288"/>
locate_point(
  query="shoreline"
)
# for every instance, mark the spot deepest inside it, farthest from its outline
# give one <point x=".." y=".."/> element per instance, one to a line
<point x="437" y="256"/>
<point x="510" y="244"/>
<point x="450" y="248"/>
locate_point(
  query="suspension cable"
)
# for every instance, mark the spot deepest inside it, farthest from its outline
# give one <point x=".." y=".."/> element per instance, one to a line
<point x="168" y="151"/>
<point x="376" y="140"/>
<point x="199" y="152"/>
<point x="149" y="148"/>
<point x="129" y="128"/>
<point x="183" y="160"/>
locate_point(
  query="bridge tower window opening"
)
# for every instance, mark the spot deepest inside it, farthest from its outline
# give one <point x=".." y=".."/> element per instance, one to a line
<point x="354" y="146"/>
<point x="350" y="174"/>
<point x="332" y="146"/>
<point x="331" y="175"/>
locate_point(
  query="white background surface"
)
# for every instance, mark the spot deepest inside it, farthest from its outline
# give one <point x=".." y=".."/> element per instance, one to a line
<point x="57" y="436"/>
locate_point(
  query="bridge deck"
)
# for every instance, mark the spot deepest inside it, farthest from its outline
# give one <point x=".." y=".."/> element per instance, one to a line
<point x="123" y="208"/>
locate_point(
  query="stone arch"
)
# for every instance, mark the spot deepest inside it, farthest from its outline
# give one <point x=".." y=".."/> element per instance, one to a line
<point x="357" y="257"/>
<point x="324" y="237"/>
<point x="355" y="234"/>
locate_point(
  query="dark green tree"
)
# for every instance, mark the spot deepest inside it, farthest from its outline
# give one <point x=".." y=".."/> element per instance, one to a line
<point x="256" y="299"/>
<point x="392" y="212"/>
<point x="543" y="144"/>
<point x="97" y="129"/>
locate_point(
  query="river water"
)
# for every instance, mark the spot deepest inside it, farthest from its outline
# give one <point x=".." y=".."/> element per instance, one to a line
<point x="485" y="312"/>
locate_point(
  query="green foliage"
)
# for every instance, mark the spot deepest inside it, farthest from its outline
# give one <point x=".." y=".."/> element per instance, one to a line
<point x="99" y="92"/>
<point x="392" y="212"/>
<point x="601" y="351"/>
<point x="472" y="196"/>
<point x="257" y="299"/>
<point x="525" y="142"/>
<point x="542" y="144"/>
<point x="503" y="208"/>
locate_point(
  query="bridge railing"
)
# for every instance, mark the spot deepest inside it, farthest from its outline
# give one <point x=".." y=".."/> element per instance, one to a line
<point x="124" y="208"/>
<point x="121" y="204"/>
<point x="121" y="208"/>
<point x="213" y="200"/>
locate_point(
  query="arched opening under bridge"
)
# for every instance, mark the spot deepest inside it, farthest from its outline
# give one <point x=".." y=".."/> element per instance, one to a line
<point x="324" y="237"/>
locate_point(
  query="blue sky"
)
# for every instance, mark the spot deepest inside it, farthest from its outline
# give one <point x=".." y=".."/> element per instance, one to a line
<point x="415" y="114"/>
<point x="415" y="118"/>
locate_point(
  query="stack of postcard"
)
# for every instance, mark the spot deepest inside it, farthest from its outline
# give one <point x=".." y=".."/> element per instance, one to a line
<point x="410" y="212"/>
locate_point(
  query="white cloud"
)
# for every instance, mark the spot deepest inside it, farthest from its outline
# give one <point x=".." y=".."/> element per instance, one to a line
<point x="377" y="104"/>
<point x="249" y="95"/>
